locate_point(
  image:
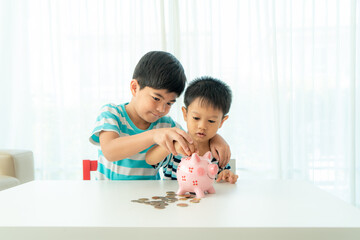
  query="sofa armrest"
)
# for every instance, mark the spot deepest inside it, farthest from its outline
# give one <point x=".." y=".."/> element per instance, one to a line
<point x="6" y="165"/>
<point x="22" y="164"/>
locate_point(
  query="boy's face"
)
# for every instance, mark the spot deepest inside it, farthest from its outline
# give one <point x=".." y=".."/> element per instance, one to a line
<point x="152" y="104"/>
<point x="202" y="120"/>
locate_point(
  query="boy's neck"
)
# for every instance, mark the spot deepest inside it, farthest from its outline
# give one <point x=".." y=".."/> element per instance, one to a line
<point x="203" y="147"/>
<point x="137" y="121"/>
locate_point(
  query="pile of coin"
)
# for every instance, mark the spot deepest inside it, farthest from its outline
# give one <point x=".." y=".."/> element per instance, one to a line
<point x="160" y="202"/>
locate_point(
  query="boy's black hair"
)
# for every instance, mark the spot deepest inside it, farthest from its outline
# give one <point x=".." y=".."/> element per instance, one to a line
<point x="160" y="70"/>
<point x="211" y="91"/>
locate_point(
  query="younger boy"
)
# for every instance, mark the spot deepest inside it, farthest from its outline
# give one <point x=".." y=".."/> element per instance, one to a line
<point x="207" y="101"/>
<point x="126" y="132"/>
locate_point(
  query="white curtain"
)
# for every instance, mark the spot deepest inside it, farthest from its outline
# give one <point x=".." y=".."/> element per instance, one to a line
<point x="293" y="67"/>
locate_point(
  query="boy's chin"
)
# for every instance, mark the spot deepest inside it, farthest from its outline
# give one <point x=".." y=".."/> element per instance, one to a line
<point x="150" y="118"/>
<point x="201" y="139"/>
<point x="153" y="119"/>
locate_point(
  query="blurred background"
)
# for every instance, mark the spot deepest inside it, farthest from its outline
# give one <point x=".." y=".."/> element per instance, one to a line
<point x="293" y="66"/>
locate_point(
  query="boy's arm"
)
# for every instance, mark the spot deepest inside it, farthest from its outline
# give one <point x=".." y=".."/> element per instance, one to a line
<point x="220" y="150"/>
<point x="155" y="155"/>
<point x="116" y="148"/>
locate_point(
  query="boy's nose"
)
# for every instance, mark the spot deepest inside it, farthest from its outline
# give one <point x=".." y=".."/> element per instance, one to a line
<point x="161" y="108"/>
<point x="202" y="125"/>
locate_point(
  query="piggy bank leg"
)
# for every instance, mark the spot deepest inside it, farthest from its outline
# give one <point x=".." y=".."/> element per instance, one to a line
<point x="211" y="190"/>
<point x="181" y="191"/>
<point x="199" y="193"/>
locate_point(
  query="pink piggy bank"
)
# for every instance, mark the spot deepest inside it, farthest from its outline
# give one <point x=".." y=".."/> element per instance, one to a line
<point x="196" y="174"/>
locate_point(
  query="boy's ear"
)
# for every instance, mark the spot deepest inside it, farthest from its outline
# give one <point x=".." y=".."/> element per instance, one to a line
<point x="184" y="111"/>
<point x="223" y="120"/>
<point x="134" y="87"/>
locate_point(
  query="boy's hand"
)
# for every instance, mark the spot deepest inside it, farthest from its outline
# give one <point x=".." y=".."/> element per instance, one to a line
<point x="180" y="150"/>
<point x="220" y="150"/>
<point x="227" y="176"/>
<point x="166" y="137"/>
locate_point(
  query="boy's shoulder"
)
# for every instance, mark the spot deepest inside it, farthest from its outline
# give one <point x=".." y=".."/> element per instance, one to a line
<point x="109" y="106"/>
<point x="116" y="109"/>
<point x="113" y="111"/>
<point x="118" y="112"/>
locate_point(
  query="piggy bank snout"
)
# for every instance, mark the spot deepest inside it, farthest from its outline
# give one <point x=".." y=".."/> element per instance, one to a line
<point x="213" y="169"/>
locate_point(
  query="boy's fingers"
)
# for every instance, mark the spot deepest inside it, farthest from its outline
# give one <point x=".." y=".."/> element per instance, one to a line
<point x="224" y="160"/>
<point x="192" y="148"/>
<point x="187" y="150"/>
<point x="234" y="179"/>
<point x="227" y="160"/>
<point x="171" y="148"/>
<point x="231" y="180"/>
<point x="185" y="135"/>
<point x="221" y="159"/>
<point x="227" y="175"/>
<point x="222" y="178"/>
<point x="228" y="156"/>
<point x="183" y="144"/>
<point x="215" y="154"/>
<point x="219" y="177"/>
<point x="224" y="157"/>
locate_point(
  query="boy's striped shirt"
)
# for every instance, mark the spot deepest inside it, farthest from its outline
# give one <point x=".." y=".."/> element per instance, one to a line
<point x="115" y="118"/>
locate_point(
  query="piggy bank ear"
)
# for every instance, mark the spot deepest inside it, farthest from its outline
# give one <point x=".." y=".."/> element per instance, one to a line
<point x="213" y="169"/>
<point x="196" y="157"/>
<point x="208" y="155"/>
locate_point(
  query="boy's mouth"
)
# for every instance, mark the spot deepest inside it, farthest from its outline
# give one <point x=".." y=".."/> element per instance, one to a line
<point x="200" y="134"/>
<point x="158" y="116"/>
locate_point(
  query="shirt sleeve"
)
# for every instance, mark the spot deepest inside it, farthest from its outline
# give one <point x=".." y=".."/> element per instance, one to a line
<point x="178" y="126"/>
<point x="170" y="169"/>
<point x="107" y="120"/>
<point x="163" y="163"/>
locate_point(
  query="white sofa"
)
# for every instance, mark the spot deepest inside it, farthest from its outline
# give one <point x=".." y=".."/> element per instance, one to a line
<point x="16" y="167"/>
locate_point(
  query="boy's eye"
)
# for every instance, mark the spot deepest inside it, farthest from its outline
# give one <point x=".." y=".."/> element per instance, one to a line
<point x="196" y="118"/>
<point x="156" y="99"/>
<point x="211" y="121"/>
<point x="169" y="103"/>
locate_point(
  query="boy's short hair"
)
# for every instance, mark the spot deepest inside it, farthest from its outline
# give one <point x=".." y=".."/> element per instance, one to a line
<point x="160" y="70"/>
<point x="211" y="91"/>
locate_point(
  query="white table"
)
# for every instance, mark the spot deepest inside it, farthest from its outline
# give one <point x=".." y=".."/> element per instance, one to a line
<point x="248" y="210"/>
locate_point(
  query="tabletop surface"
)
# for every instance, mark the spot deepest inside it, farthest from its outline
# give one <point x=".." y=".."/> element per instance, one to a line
<point x="270" y="203"/>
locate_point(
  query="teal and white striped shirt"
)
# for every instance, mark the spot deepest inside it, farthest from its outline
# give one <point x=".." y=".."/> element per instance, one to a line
<point x="115" y="118"/>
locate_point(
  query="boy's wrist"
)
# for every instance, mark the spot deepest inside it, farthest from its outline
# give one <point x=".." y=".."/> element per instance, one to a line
<point x="152" y="134"/>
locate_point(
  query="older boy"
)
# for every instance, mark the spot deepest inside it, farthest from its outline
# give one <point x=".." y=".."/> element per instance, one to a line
<point x="125" y="132"/>
<point x="207" y="101"/>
